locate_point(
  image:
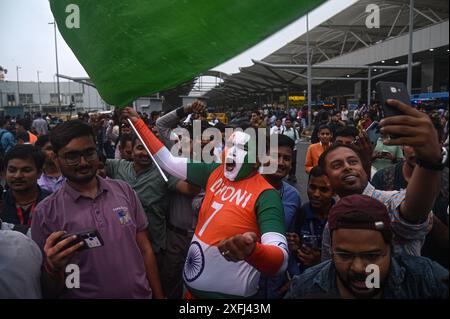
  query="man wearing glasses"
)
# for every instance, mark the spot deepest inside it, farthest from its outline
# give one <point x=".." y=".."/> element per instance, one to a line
<point x="363" y="263"/>
<point x="125" y="266"/>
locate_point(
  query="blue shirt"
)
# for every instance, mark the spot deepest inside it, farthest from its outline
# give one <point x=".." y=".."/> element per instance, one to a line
<point x="410" y="277"/>
<point x="7" y="140"/>
<point x="290" y="198"/>
<point x="312" y="226"/>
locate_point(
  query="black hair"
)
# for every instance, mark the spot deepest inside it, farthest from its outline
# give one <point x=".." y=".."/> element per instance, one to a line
<point x="63" y="133"/>
<point x="126" y="138"/>
<point x="25" y="122"/>
<point x="285" y="141"/>
<point x="3" y="122"/>
<point x="24" y="152"/>
<point x="325" y="127"/>
<point x="316" y="171"/>
<point x="23" y="136"/>
<point x="134" y="139"/>
<point x="323" y="116"/>
<point x="322" y="158"/>
<point x="346" y="131"/>
<point x="41" y="141"/>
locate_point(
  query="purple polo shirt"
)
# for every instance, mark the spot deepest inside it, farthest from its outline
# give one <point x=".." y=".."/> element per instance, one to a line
<point x="115" y="270"/>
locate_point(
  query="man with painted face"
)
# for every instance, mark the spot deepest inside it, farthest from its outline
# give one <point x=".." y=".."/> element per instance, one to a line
<point x="363" y="263"/>
<point x="240" y="229"/>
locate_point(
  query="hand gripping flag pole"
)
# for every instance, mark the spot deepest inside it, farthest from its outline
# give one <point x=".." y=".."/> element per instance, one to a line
<point x="148" y="151"/>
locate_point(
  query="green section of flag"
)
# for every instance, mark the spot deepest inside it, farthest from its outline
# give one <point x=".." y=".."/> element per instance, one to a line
<point x="132" y="48"/>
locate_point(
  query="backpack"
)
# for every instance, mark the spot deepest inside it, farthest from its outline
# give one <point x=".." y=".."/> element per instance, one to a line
<point x="296" y="134"/>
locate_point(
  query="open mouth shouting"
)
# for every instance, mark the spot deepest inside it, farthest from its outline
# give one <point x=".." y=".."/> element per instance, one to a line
<point x="230" y="165"/>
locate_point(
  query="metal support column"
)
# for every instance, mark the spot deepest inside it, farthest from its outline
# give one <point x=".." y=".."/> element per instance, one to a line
<point x="308" y="59"/>
<point x="369" y="86"/>
<point x="410" y="53"/>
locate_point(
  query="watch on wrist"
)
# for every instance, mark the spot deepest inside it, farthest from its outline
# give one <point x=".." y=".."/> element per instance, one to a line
<point x="434" y="166"/>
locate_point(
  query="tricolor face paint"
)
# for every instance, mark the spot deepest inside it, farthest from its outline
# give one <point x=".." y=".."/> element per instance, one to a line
<point x="237" y="157"/>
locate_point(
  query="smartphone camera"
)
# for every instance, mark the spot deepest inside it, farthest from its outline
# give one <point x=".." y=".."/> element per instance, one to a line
<point x="91" y="240"/>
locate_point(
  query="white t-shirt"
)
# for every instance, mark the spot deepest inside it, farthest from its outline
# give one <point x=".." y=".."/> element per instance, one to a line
<point x="276" y="130"/>
<point x="20" y="266"/>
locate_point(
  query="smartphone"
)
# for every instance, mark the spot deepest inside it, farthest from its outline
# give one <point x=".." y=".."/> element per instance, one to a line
<point x="373" y="132"/>
<point x="311" y="241"/>
<point x="392" y="90"/>
<point x="91" y="239"/>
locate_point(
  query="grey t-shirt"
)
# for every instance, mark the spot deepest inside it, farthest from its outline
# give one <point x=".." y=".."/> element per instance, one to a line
<point x="20" y="266"/>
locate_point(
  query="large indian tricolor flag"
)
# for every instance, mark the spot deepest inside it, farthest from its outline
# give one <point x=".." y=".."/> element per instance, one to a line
<point x="132" y="48"/>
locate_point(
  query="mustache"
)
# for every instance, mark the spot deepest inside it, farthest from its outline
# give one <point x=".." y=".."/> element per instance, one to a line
<point x="357" y="277"/>
<point x="79" y="168"/>
<point x="18" y="181"/>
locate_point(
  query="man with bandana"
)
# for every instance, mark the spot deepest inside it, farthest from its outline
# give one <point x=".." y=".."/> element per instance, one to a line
<point x="240" y="229"/>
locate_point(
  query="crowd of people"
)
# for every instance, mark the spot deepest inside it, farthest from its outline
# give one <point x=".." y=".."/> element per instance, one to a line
<point x="177" y="228"/>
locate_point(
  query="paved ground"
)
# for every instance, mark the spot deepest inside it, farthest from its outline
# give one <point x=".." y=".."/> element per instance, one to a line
<point x="302" y="178"/>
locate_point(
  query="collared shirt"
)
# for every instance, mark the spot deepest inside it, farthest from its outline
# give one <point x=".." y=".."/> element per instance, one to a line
<point x="312" y="226"/>
<point x="409" y="277"/>
<point x="292" y="133"/>
<point x="20" y="266"/>
<point x="153" y="193"/>
<point x="115" y="270"/>
<point x="276" y="130"/>
<point x="408" y="238"/>
<point x="313" y="154"/>
<point x="50" y="183"/>
<point x="7" y="140"/>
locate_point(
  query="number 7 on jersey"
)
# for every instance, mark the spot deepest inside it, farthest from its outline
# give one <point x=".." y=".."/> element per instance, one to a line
<point x="217" y="207"/>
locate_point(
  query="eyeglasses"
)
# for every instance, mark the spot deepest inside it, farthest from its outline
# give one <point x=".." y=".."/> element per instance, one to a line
<point x="74" y="158"/>
<point x="368" y="258"/>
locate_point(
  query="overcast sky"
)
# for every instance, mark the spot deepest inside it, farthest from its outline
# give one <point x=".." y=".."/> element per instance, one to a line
<point x="27" y="40"/>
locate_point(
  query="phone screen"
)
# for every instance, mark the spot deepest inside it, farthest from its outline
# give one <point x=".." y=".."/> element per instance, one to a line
<point x="373" y="132"/>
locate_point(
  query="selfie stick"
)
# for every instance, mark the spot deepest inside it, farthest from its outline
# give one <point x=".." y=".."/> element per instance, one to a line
<point x="148" y="151"/>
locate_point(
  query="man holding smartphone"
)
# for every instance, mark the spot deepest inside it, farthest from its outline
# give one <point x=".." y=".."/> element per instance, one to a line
<point x="409" y="209"/>
<point x="125" y="266"/>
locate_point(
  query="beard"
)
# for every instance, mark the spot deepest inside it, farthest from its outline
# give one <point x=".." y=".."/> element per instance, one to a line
<point x="359" y="294"/>
<point x="80" y="178"/>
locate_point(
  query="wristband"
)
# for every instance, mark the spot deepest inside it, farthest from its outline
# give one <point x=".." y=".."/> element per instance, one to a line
<point x="432" y="166"/>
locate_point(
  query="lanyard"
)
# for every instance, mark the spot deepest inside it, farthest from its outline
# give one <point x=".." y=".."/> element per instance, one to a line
<point x="21" y="217"/>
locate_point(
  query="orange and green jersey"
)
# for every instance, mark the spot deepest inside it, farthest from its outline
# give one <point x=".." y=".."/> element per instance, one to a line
<point x="229" y="208"/>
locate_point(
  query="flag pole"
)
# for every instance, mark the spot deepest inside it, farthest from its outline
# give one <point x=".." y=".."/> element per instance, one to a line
<point x="148" y="151"/>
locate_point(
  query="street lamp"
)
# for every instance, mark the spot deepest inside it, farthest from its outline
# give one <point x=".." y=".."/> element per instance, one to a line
<point x="57" y="67"/>
<point x="18" y="88"/>
<point x="39" y="91"/>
